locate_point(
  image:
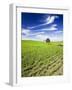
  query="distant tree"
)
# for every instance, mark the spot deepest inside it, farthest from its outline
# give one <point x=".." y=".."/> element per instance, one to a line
<point x="47" y="40"/>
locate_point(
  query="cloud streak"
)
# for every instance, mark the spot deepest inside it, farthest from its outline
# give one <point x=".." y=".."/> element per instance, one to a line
<point x="41" y="36"/>
<point x="49" y="27"/>
<point x="25" y="31"/>
<point x="48" y="20"/>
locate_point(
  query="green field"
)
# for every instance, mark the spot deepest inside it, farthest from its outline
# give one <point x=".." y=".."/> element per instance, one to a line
<point x="41" y="58"/>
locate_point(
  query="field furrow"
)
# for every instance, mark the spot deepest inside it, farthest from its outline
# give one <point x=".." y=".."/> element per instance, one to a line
<point x="41" y="59"/>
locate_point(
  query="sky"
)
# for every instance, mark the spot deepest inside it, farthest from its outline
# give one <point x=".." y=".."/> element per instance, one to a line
<point x="40" y="26"/>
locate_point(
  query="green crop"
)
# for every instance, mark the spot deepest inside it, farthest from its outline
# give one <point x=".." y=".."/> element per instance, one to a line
<point x="41" y="58"/>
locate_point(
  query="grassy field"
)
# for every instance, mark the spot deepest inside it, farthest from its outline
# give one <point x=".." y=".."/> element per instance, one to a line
<point x="41" y="59"/>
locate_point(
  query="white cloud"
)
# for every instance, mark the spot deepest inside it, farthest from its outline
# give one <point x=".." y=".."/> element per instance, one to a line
<point x="25" y="34"/>
<point x="37" y="33"/>
<point x="51" y="37"/>
<point x="25" y="31"/>
<point x="57" y="36"/>
<point x="37" y="26"/>
<point x="48" y="20"/>
<point x="29" y="35"/>
<point x="25" y="37"/>
<point x="41" y="37"/>
<point x="53" y="27"/>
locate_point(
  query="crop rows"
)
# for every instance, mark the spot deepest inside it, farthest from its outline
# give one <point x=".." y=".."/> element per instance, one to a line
<point x="42" y="61"/>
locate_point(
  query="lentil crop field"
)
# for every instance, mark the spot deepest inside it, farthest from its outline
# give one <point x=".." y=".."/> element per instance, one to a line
<point x="41" y="58"/>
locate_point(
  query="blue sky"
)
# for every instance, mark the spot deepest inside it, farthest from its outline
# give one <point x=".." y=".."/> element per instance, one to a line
<point x="39" y="26"/>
